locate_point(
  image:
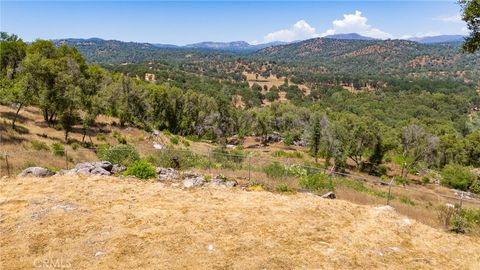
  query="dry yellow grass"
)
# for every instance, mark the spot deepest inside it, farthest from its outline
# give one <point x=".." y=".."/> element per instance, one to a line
<point x="130" y="224"/>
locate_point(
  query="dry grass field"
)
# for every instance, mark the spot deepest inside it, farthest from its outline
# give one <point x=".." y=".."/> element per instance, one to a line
<point x="124" y="223"/>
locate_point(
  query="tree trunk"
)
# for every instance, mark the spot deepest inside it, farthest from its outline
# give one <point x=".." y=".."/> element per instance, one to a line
<point x="84" y="133"/>
<point x="16" y="115"/>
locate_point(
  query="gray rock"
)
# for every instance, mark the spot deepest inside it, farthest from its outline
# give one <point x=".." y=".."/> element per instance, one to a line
<point x="106" y="165"/>
<point x="118" y="168"/>
<point x="221" y="180"/>
<point x="36" y="171"/>
<point x="329" y="195"/>
<point x="301" y="142"/>
<point x="99" y="171"/>
<point x="193" y="181"/>
<point x="84" y="171"/>
<point x="84" y="166"/>
<point x="62" y="172"/>
<point x="166" y="173"/>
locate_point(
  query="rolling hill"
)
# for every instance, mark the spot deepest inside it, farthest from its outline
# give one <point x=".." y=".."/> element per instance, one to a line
<point x="374" y="57"/>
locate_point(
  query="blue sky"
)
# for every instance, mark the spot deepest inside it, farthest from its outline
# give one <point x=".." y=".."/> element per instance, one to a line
<point x="188" y="22"/>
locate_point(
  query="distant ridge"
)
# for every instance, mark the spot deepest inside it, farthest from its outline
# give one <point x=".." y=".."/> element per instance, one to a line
<point x="438" y="39"/>
<point x="233" y="46"/>
<point x="351" y="36"/>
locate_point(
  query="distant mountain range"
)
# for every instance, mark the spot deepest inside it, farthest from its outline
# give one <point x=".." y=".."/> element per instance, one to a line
<point x="233" y="46"/>
<point x="438" y="39"/>
<point x="425" y="40"/>
<point x="247" y="47"/>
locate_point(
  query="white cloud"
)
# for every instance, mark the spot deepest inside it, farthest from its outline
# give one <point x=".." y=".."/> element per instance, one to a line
<point x="449" y="19"/>
<point x="355" y="23"/>
<point x="300" y="30"/>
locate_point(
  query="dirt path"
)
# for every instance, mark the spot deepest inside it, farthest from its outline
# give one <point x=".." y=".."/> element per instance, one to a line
<point x="105" y="223"/>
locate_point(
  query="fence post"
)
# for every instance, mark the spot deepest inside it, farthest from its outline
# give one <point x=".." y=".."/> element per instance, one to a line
<point x="249" y="167"/>
<point x="389" y="191"/>
<point x="286" y="170"/>
<point x="66" y="157"/>
<point x="461" y="201"/>
<point x="210" y="161"/>
<point x="8" y="165"/>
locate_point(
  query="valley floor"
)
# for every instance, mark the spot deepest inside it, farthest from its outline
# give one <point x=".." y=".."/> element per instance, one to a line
<point x="122" y="223"/>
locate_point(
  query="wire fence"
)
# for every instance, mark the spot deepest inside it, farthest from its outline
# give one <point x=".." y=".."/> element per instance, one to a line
<point x="251" y="169"/>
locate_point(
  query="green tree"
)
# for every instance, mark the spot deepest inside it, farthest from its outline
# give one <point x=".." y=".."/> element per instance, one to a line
<point x="471" y="15"/>
<point x="457" y="176"/>
<point x="417" y="145"/>
<point x="319" y="135"/>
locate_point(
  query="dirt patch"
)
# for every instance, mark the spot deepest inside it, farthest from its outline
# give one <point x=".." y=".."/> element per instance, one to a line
<point x="106" y="222"/>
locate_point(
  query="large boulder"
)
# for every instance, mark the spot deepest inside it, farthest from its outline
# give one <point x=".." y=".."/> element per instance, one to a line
<point x="106" y="165"/>
<point x="95" y="168"/>
<point x="36" y="172"/>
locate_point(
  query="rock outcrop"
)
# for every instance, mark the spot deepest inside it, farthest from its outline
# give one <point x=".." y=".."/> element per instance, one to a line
<point x="36" y="172"/>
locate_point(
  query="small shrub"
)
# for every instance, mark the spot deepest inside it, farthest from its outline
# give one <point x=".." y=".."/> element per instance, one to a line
<point x="256" y="188"/>
<point x="407" y="200"/>
<point x="141" y="169"/>
<point x="281" y="153"/>
<point x="116" y="134"/>
<point x="457" y="176"/>
<point x="459" y="224"/>
<point x="445" y="214"/>
<point x="290" y="137"/>
<point x="275" y="170"/>
<point x="101" y="137"/>
<point x="401" y="180"/>
<point x="425" y="180"/>
<point x="193" y="138"/>
<point x="297" y="171"/>
<point x="317" y="182"/>
<point x="39" y="146"/>
<point x="174" y="140"/>
<point x="122" y="140"/>
<point x="58" y="149"/>
<point x="283" y="188"/>
<point x="475" y="187"/>
<point x="75" y="146"/>
<point x="185" y="143"/>
<point x="122" y="154"/>
<point x="382" y="169"/>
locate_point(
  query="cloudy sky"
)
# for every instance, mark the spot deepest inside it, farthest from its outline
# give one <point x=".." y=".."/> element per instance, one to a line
<point x="252" y="21"/>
